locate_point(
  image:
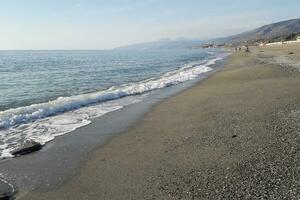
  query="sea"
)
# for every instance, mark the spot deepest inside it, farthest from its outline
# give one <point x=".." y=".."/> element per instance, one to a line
<point x="45" y="94"/>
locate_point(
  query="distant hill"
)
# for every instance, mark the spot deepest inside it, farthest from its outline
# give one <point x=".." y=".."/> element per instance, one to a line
<point x="165" y="44"/>
<point x="284" y="30"/>
<point x="276" y="31"/>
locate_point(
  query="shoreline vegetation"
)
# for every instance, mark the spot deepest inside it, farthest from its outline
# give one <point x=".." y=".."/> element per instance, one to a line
<point x="233" y="136"/>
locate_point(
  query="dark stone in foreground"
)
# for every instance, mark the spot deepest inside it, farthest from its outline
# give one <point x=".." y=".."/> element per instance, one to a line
<point x="28" y="147"/>
<point x="6" y="191"/>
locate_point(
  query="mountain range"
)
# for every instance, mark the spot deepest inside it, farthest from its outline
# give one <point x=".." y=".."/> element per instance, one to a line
<point x="272" y="32"/>
<point x="276" y="31"/>
<point x="165" y="44"/>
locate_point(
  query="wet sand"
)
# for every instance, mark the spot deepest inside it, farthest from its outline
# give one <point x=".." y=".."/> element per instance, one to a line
<point x="234" y="136"/>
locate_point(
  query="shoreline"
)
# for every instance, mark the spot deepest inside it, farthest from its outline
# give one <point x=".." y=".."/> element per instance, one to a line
<point x="232" y="136"/>
<point x="65" y="114"/>
<point x="38" y="171"/>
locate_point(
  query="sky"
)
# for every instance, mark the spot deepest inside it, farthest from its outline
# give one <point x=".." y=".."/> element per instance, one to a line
<point x="104" y="24"/>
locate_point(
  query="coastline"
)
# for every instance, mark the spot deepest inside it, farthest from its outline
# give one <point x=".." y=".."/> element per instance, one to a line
<point x="223" y="141"/>
<point x="38" y="171"/>
<point x="43" y="120"/>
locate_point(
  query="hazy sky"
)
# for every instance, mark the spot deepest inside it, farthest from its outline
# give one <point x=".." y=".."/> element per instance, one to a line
<point x="100" y="24"/>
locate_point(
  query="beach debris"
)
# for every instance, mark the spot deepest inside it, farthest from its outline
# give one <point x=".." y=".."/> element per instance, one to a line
<point x="6" y="191"/>
<point x="234" y="136"/>
<point x="28" y="147"/>
<point x="290" y="53"/>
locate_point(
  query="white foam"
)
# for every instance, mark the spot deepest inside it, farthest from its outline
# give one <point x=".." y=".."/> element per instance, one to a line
<point x="45" y="121"/>
<point x="13" y="190"/>
<point x="46" y="129"/>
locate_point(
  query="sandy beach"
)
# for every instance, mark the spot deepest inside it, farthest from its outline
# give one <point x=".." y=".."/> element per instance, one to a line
<point x="233" y="136"/>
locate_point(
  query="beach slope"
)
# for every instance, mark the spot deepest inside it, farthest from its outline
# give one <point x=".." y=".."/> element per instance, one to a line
<point x="233" y="136"/>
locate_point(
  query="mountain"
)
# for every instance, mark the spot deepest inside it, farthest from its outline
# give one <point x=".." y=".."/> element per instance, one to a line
<point x="165" y="44"/>
<point x="284" y="30"/>
<point x="276" y="31"/>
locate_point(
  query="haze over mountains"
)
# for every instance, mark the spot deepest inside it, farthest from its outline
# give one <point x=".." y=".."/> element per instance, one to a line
<point x="277" y="30"/>
<point x="165" y="44"/>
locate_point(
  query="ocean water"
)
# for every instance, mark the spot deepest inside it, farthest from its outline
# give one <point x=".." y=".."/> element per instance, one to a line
<point x="45" y="94"/>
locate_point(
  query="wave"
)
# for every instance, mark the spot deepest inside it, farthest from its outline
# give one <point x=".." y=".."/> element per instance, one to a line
<point x="12" y="117"/>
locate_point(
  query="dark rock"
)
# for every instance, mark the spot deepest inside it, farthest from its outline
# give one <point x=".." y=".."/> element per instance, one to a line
<point x="28" y="147"/>
<point x="291" y="53"/>
<point x="6" y="191"/>
<point x="234" y="136"/>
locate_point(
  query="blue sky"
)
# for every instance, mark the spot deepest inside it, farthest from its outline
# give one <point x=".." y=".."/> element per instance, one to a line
<point x="101" y="24"/>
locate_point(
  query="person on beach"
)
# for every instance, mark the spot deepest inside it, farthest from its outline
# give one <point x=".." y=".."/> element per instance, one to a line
<point x="247" y="49"/>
